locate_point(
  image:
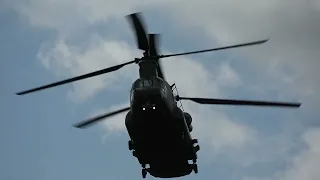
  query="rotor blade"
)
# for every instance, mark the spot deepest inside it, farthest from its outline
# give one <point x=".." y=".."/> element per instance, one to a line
<point x="103" y="71"/>
<point x="96" y="119"/>
<point x="241" y="102"/>
<point x="154" y="44"/>
<point x="139" y="28"/>
<point x="215" y="49"/>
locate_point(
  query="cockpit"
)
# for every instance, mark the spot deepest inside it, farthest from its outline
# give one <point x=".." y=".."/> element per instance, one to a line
<point x="146" y="83"/>
<point x="148" y="91"/>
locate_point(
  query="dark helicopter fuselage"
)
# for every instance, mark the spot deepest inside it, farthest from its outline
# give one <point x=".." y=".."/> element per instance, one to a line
<point x="158" y="128"/>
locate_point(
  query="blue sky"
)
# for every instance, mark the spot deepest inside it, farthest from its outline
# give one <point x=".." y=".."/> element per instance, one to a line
<point x="44" y="41"/>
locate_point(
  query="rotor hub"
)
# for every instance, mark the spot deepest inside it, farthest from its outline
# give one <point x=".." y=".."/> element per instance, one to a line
<point x="148" y="68"/>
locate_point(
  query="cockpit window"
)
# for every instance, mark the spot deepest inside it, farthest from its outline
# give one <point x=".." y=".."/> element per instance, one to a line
<point x="146" y="83"/>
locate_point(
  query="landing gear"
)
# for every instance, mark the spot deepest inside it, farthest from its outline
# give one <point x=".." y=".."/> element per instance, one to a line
<point x="195" y="150"/>
<point x="194" y="159"/>
<point x="144" y="169"/>
<point x="144" y="173"/>
<point x="197" y="147"/>
<point x="195" y="168"/>
<point x="194" y="165"/>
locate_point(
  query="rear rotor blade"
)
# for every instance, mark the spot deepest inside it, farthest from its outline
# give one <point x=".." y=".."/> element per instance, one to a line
<point x="241" y="102"/>
<point x="139" y="28"/>
<point x="77" y="78"/>
<point x="154" y="44"/>
<point x="96" y="119"/>
<point x="215" y="49"/>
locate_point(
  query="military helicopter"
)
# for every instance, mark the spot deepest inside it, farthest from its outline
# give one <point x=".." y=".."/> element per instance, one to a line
<point x="158" y="128"/>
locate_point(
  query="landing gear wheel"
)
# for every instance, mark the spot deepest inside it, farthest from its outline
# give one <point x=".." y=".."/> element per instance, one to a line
<point x="194" y="141"/>
<point x="195" y="168"/>
<point x="144" y="173"/>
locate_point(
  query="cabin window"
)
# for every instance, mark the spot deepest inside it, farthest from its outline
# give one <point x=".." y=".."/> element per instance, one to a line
<point x="164" y="90"/>
<point x="131" y="96"/>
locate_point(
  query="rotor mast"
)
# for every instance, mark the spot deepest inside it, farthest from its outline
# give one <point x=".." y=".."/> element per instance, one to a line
<point x="148" y="67"/>
<point x="149" y="64"/>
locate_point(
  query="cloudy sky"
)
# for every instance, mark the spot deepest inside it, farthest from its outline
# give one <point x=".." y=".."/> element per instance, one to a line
<point x="44" y="41"/>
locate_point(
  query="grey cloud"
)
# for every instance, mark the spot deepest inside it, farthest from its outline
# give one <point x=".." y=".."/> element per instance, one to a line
<point x="290" y="57"/>
<point x="67" y="17"/>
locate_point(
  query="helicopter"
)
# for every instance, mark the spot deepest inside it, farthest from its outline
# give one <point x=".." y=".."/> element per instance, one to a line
<point x="159" y="129"/>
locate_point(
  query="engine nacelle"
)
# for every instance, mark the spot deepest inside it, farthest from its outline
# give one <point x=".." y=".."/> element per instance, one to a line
<point x="188" y="118"/>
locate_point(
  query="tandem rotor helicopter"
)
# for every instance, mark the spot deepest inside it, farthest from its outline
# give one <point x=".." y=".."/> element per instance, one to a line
<point x="158" y="128"/>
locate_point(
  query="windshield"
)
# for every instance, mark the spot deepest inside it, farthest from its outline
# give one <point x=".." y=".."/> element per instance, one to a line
<point x="146" y="83"/>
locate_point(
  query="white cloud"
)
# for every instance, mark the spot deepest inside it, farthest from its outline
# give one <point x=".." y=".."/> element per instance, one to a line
<point x="290" y="58"/>
<point x="68" y="16"/>
<point x="305" y="165"/>
<point x="70" y="60"/>
<point x="116" y="123"/>
<point x="194" y="80"/>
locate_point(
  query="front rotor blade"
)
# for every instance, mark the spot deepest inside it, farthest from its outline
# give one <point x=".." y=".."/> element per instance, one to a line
<point x="96" y="119"/>
<point x="215" y="49"/>
<point x="139" y="28"/>
<point x="241" y="102"/>
<point x="154" y="44"/>
<point x="103" y="71"/>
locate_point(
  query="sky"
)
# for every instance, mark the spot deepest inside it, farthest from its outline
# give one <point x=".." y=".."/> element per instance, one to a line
<point x="43" y="41"/>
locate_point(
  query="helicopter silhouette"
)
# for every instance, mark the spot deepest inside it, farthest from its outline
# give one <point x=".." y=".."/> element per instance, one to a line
<point x="159" y="130"/>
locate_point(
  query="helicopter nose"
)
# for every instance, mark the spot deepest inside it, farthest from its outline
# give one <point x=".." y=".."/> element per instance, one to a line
<point x="147" y="93"/>
<point x="147" y="98"/>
